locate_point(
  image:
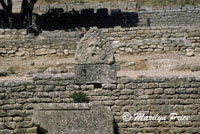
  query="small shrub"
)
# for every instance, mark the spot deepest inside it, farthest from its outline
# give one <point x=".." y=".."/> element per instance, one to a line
<point x="172" y="1"/>
<point x="11" y="71"/>
<point x="81" y="2"/>
<point x="187" y="2"/>
<point x="79" y="97"/>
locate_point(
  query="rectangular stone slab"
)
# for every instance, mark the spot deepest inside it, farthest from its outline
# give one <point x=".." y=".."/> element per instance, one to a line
<point x="80" y="118"/>
<point x="95" y="73"/>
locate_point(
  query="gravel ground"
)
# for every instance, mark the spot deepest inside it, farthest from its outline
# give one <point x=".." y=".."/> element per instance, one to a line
<point x="128" y="65"/>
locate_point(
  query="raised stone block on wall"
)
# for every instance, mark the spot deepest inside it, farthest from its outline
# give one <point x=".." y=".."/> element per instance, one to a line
<point x="123" y="6"/>
<point x="78" y="6"/>
<point x="43" y="8"/>
<point x="132" y="5"/>
<point x="94" y="59"/>
<point x="58" y="6"/>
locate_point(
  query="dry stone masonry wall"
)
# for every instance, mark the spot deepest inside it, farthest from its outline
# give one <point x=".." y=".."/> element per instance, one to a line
<point x="166" y="16"/>
<point x="18" y="43"/>
<point x="170" y="31"/>
<point x="142" y="40"/>
<point x="137" y="40"/>
<point x="178" y="17"/>
<point x="124" y="6"/>
<point x="146" y="95"/>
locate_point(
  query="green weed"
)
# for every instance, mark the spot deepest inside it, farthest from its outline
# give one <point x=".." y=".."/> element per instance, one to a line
<point x="79" y="97"/>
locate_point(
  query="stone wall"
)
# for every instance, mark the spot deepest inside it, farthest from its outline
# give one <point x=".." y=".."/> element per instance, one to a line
<point x="123" y="5"/>
<point x="140" y="40"/>
<point x="166" y="16"/>
<point x="137" y="40"/>
<point x="146" y="95"/>
<point x="146" y="16"/>
<point x="180" y="17"/>
<point x="18" y="43"/>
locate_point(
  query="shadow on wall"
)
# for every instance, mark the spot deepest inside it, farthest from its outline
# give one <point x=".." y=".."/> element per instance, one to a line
<point x="41" y="130"/>
<point x="3" y="21"/>
<point x="16" y="20"/>
<point x="57" y="19"/>
<point x="116" y="130"/>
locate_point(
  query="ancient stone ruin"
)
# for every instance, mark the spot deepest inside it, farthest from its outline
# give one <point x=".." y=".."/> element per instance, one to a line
<point x="94" y="59"/>
<point x="95" y="63"/>
<point x="158" y="73"/>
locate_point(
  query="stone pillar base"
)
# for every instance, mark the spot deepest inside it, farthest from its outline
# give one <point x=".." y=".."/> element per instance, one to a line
<point x="95" y="73"/>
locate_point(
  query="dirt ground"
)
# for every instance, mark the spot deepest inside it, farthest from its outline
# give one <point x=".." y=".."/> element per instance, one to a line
<point x="129" y="65"/>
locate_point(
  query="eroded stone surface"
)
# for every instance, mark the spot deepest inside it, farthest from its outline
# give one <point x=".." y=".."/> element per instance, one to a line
<point x="73" y="118"/>
<point x="99" y="73"/>
<point x="94" y="48"/>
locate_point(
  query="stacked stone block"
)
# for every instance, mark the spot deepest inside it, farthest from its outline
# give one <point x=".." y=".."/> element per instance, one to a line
<point x="137" y="40"/>
<point x="124" y="6"/>
<point x="141" y="40"/>
<point x="168" y="16"/>
<point x="180" y="17"/>
<point x="48" y="43"/>
<point x="149" y="95"/>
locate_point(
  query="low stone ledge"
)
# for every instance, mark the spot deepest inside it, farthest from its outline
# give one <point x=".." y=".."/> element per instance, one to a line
<point x="15" y="81"/>
<point x="64" y="76"/>
<point x="73" y="119"/>
<point x="62" y="106"/>
<point x="143" y="78"/>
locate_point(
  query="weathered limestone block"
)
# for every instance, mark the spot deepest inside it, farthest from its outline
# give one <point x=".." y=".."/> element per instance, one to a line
<point x="94" y="59"/>
<point x="44" y="51"/>
<point x="6" y="131"/>
<point x="94" y="48"/>
<point x="3" y="51"/>
<point x="73" y="118"/>
<point x="21" y="53"/>
<point x="96" y="73"/>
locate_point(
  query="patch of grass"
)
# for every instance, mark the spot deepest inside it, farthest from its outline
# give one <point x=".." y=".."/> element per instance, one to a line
<point x="187" y="2"/>
<point x="79" y="97"/>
